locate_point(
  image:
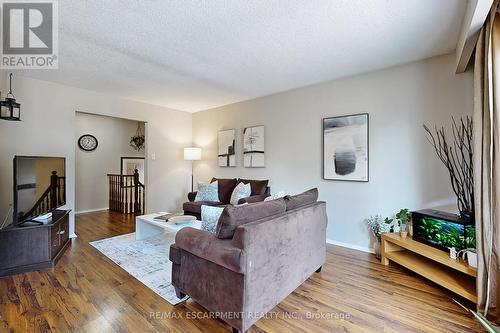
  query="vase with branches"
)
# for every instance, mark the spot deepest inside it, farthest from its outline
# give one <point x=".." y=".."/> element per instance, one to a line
<point x="456" y="155"/>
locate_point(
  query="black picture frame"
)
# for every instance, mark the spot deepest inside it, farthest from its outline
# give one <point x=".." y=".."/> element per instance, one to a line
<point x="367" y="147"/>
<point x="128" y="158"/>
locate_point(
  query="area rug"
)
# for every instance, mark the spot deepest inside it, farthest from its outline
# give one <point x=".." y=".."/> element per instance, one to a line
<point x="146" y="260"/>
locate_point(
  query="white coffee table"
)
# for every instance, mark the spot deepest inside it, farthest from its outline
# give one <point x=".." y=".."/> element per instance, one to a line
<point x="146" y="226"/>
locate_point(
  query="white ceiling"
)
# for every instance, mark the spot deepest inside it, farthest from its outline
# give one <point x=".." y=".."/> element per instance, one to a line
<point x="194" y="55"/>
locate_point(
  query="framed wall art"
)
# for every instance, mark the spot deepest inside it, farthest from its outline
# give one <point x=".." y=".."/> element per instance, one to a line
<point x="346" y="148"/>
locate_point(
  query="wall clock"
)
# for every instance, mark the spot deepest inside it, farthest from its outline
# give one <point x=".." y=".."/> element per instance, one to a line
<point x="87" y="142"/>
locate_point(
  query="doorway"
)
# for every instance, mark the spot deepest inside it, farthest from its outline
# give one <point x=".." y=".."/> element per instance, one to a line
<point x="105" y="169"/>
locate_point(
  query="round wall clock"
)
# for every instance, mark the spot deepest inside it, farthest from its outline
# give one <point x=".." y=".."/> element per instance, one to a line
<point x="87" y="142"/>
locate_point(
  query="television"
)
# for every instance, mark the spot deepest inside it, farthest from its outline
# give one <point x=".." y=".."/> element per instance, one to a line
<point x="39" y="187"/>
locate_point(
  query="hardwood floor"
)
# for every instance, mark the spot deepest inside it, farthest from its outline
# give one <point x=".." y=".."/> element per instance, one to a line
<point x="86" y="292"/>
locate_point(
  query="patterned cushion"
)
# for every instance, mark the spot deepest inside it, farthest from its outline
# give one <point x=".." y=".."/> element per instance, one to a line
<point x="209" y="217"/>
<point x="240" y="191"/>
<point x="275" y="196"/>
<point x="208" y="192"/>
<point x="259" y="187"/>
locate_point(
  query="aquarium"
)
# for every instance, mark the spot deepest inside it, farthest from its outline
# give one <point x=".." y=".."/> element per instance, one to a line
<point x="443" y="230"/>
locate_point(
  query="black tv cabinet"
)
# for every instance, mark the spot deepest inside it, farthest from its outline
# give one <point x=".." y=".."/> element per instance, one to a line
<point x="30" y="248"/>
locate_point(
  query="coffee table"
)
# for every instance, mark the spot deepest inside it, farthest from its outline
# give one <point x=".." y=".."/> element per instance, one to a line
<point x="146" y="226"/>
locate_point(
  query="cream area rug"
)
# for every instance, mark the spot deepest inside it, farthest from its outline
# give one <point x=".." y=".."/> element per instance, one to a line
<point x="146" y="260"/>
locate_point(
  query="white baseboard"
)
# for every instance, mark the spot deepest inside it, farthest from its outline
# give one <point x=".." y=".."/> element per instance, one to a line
<point x="91" y="210"/>
<point x="351" y="246"/>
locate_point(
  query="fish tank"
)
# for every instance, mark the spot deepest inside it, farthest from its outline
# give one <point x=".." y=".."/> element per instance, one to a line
<point x="443" y="230"/>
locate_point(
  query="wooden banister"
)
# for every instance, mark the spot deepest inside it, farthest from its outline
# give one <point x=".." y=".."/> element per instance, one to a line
<point x="127" y="194"/>
<point x="51" y="198"/>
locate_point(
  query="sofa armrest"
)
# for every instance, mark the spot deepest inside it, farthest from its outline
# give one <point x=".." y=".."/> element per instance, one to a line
<point x="192" y="196"/>
<point x="205" y="245"/>
<point x="252" y="199"/>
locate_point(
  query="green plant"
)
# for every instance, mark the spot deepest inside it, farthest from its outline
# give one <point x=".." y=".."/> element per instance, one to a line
<point x="470" y="240"/>
<point x="377" y="225"/>
<point x="487" y="325"/>
<point x="452" y="238"/>
<point x="403" y="217"/>
<point x="388" y="220"/>
<point x="430" y="228"/>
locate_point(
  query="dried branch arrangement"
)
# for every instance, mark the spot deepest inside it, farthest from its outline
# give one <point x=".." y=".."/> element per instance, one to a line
<point x="456" y="155"/>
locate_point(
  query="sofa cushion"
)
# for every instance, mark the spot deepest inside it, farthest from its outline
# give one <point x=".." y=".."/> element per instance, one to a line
<point x="275" y="196"/>
<point x="207" y="192"/>
<point x="234" y="216"/>
<point x="258" y="186"/>
<point x="303" y="199"/>
<point x="226" y="187"/>
<point x="240" y="191"/>
<point x="195" y="207"/>
<point x="209" y="217"/>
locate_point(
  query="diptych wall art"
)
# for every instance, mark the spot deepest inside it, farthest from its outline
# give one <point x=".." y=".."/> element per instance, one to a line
<point x="253" y="147"/>
<point x="345" y="148"/>
<point x="226" y="149"/>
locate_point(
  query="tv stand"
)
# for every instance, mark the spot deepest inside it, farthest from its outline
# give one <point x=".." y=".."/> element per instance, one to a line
<point x="32" y="247"/>
<point x="431" y="263"/>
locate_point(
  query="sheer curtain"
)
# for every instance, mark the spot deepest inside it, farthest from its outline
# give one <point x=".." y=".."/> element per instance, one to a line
<point x="487" y="164"/>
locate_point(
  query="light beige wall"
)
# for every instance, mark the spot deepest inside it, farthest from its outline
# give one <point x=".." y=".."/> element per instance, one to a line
<point x="113" y="135"/>
<point x="48" y="127"/>
<point x="403" y="169"/>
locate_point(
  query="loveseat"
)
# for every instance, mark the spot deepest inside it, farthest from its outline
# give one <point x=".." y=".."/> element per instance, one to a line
<point x="260" y="253"/>
<point x="259" y="191"/>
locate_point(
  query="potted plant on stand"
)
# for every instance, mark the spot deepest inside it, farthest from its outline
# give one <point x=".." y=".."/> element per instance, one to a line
<point x="378" y="226"/>
<point x="403" y="218"/>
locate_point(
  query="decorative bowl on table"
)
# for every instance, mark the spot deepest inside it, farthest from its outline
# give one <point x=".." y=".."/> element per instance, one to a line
<point x="183" y="219"/>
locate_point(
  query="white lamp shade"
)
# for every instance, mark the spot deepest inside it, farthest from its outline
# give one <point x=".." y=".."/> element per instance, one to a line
<point x="192" y="154"/>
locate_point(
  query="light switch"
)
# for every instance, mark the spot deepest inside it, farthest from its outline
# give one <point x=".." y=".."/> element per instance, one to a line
<point x="153" y="156"/>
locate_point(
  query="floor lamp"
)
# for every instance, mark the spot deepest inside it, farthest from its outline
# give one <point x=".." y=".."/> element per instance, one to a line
<point x="192" y="154"/>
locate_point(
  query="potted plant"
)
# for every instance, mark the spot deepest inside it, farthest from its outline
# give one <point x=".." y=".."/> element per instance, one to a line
<point x="378" y="226"/>
<point x="403" y="216"/>
<point x="139" y="139"/>
<point x="471" y="255"/>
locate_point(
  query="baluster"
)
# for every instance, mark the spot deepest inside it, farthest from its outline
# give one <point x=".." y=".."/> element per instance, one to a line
<point x="136" y="191"/>
<point x="114" y="193"/>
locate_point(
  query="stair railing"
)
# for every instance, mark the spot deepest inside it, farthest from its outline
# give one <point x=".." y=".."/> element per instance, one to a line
<point x="127" y="194"/>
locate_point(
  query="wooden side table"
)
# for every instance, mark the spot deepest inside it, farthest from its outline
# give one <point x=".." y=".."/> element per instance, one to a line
<point x="431" y="263"/>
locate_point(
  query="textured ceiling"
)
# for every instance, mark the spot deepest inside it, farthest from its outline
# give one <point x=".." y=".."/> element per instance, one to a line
<point x="194" y="55"/>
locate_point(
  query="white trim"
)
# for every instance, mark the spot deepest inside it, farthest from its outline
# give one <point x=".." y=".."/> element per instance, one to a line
<point x="351" y="246"/>
<point x="91" y="210"/>
<point x="73" y="236"/>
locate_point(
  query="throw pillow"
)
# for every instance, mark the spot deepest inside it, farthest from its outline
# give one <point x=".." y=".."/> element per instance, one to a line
<point x="259" y="187"/>
<point x="240" y="191"/>
<point x="278" y="195"/>
<point x="226" y="187"/>
<point x="209" y="217"/>
<point x="208" y="192"/>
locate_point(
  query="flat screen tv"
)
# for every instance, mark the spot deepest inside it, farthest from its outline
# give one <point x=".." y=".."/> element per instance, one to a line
<point x="39" y="186"/>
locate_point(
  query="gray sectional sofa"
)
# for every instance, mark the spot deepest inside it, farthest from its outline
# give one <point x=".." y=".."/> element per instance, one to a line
<point x="260" y="253"/>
